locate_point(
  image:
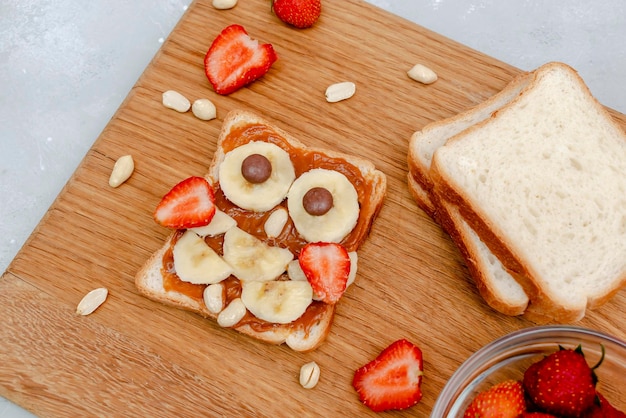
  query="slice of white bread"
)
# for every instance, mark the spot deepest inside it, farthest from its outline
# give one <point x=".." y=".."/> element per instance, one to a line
<point x="543" y="184"/>
<point x="426" y="141"/>
<point x="496" y="286"/>
<point x="307" y="334"/>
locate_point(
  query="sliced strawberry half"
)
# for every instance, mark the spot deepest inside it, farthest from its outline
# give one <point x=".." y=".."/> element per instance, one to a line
<point x="326" y="266"/>
<point x="235" y="60"/>
<point x="393" y="379"/>
<point x="189" y="204"/>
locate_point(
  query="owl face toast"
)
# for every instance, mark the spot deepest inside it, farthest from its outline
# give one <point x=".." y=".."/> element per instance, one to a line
<point x="266" y="243"/>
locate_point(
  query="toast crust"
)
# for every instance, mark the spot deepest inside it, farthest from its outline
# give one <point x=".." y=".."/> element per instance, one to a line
<point x="372" y="188"/>
<point x="474" y="259"/>
<point x="422" y="145"/>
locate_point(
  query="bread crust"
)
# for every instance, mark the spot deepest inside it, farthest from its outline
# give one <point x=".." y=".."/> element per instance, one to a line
<point x="421" y="145"/>
<point x="474" y="259"/>
<point x="149" y="279"/>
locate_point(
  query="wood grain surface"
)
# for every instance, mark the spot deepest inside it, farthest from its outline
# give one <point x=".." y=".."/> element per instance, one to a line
<point x="134" y="357"/>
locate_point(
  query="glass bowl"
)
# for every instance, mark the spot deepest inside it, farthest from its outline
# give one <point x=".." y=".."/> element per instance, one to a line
<point x="509" y="356"/>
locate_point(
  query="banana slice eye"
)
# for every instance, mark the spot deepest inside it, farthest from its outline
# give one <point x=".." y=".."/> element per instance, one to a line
<point x="330" y="218"/>
<point x="256" y="176"/>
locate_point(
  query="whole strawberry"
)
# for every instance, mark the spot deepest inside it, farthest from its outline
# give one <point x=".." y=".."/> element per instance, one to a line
<point x="504" y="400"/>
<point x="562" y="383"/>
<point x="299" y="13"/>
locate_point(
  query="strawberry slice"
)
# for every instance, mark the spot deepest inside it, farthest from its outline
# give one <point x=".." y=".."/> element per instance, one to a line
<point x="326" y="266"/>
<point x="235" y="60"/>
<point x="393" y="379"/>
<point x="189" y="204"/>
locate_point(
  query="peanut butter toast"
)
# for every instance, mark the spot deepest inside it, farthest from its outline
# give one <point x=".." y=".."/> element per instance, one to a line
<point x="278" y="248"/>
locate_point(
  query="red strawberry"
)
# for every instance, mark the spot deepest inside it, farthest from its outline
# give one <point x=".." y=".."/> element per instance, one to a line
<point x="504" y="400"/>
<point x="603" y="409"/>
<point x="537" y="415"/>
<point x="326" y="266"/>
<point x="562" y="383"/>
<point x="235" y="60"/>
<point x="299" y="13"/>
<point x="189" y="204"/>
<point x="392" y="380"/>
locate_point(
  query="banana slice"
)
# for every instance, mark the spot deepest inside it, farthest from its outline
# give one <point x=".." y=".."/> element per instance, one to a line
<point x="277" y="301"/>
<point x="196" y="262"/>
<point x="220" y="223"/>
<point x="262" y="193"/>
<point x="336" y="221"/>
<point x="295" y="272"/>
<point x="252" y="259"/>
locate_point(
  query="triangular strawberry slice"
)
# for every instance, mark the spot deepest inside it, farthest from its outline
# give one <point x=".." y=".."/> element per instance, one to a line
<point x="326" y="266"/>
<point x="235" y="60"/>
<point x="191" y="203"/>
<point x="393" y="379"/>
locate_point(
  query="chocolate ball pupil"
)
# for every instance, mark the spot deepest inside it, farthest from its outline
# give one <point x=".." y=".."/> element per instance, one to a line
<point x="256" y="168"/>
<point x="317" y="201"/>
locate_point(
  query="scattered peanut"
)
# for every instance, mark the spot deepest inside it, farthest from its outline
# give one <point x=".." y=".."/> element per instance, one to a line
<point x="122" y="169"/>
<point x="91" y="301"/>
<point x="174" y="100"/>
<point x="340" y="91"/>
<point x="232" y="313"/>
<point x="214" y="297"/>
<point x="422" y="74"/>
<point x="204" y="109"/>
<point x="224" y="4"/>
<point x="276" y="222"/>
<point x="309" y="375"/>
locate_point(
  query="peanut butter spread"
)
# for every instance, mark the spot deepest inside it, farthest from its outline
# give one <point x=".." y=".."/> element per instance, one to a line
<point x="253" y="222"/>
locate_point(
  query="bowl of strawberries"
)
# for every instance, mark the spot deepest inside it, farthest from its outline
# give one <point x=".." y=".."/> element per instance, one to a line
<point x="540" y="372"/>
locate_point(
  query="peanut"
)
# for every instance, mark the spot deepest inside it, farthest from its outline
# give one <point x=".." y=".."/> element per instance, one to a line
<point x="309" y="375"/>
<point x="422" y="74"/>
<point x="340" y="91"/>
<point x="174" y="100"/>
<point x="204" y="109"/>
<point x="224" y="4"/>
<point x="122" y="170"/>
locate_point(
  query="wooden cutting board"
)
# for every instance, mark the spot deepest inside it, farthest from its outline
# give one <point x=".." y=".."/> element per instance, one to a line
<point x="134" y="357"/>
